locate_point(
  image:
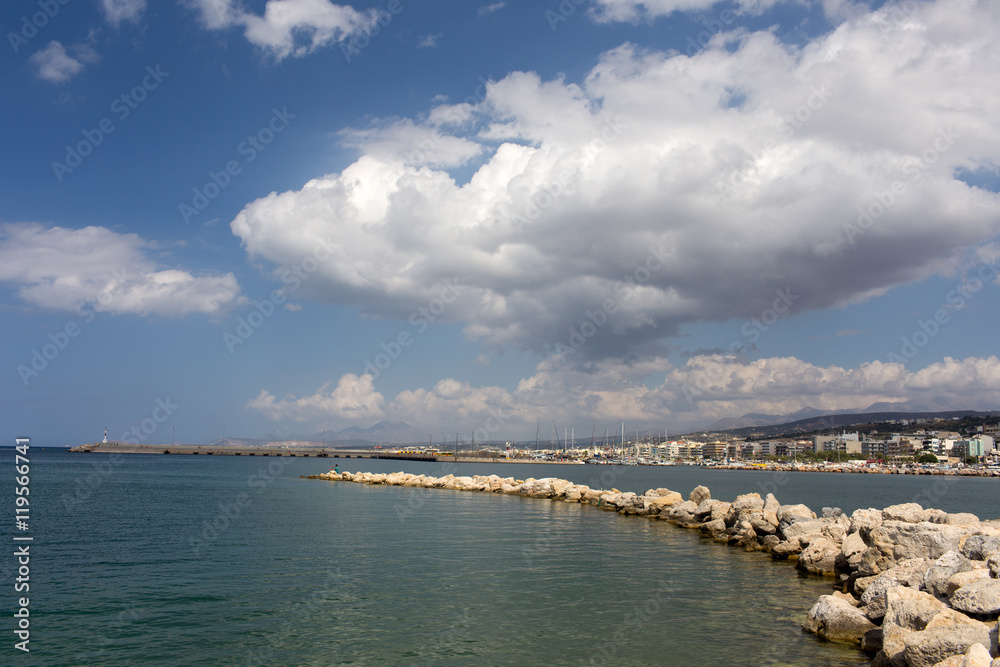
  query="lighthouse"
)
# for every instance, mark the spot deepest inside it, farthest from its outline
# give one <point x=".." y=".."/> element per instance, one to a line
<point x="105" y="435"/>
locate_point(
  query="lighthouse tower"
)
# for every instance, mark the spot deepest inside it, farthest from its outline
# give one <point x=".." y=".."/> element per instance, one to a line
<point x="105" y="435"/>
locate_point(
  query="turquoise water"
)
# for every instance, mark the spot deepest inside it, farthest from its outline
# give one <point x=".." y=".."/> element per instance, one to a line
<point x="171" y="560"/>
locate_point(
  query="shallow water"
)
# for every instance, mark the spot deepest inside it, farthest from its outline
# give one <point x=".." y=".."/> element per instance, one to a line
<point x="170" y="560"/>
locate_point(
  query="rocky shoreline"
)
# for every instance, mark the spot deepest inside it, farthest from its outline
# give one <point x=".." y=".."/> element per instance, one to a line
<point x="914" y="587"/>
<point x="857" y="470"/>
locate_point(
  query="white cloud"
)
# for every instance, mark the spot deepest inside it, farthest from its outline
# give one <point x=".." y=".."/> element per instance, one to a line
<point x="116" y="11"/>
<point x="489" y="9"/>
<point x="64" y="269"/>
<point x="633" y="11"/>
<point x="289" y="27"/>
<point x="430" y="41"/>
<point x="665" y="189"/>
<point x="54" y="64"/>
<point x="706" y="388"/>
<point x="414" y="145"/>
<point x="353" y="399"/>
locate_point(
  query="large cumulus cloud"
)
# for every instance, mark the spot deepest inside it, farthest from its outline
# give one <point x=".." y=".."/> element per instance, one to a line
<point x="665" y="189"/>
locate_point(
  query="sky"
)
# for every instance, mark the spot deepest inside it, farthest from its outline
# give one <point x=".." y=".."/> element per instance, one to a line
<point x="283" y="217"/>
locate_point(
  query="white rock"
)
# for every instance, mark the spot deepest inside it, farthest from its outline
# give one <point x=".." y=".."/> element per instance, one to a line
<point x="837" y="620"/>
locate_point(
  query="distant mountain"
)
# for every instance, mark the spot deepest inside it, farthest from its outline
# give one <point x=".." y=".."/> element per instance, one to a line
<point x="822" y="422"/>
<point x="926" y="405"/>
<point x="756" y="419"/>
<point x="384" y="432"/>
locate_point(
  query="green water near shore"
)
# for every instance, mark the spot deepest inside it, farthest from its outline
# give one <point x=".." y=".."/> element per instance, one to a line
<point x="154" y="566"/>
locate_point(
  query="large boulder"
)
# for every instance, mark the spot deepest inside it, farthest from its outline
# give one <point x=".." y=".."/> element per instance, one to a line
<point x="771" y="507"/>
<point x="699" y="494"/>
<point x="836" y="619"/>
<point x="716" y="529"/>
<point x="852" y="548"/>
<point x="762" y="526"/>
<point x="951" y="617"/>
<point x="873" y="562"/>
<point x="981" y="547"/>
<point x="820" y="557"/>
<point x="937" y="577"/>
<point x="908" y="573"/>
<point x="664" y="500"/>
<point x="720" y="510"/>
<point x="977" y="656"/>
<point x="979" y="597"/>
<point x="705" y="508"/>
<point x="681" y="514"/>
<point x="910" y="613"/>
<point x="559" y="487"/>
<point x="785" y="549"/>
<point x="609" y="501"/>
<point x="865" y="521"/>
<point x="745" y="508"/>
<point x="962" y="519"/>
<point x="908" y="512"/>
<point x="929" y="647"/>
<point x="836" y="528"/>
<point x="791" y="531"/>
<point x="911" y="609"/>
<point x="935" y="516"/>
<point x="769" y="542"/>
<point x="893" y="648"/>
<point x="962" y="579"/>
<point x="900" y="540"/>
<point x="789" y="514"/>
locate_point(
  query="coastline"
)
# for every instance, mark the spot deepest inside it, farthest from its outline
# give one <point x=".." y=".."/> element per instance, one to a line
<point x="335" y="453"/>
<point x="860" y="470"/>
<point x="913" y="586"/>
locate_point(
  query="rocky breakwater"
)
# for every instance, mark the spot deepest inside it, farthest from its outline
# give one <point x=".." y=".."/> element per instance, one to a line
<point x="917" y="586"/>
<point x="914" y="587"/>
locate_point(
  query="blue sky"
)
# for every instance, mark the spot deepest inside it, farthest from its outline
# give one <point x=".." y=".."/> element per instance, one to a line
<point x="296" y="215"/>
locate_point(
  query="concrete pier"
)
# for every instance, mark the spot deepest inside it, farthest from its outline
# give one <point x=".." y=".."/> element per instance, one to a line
<point x="232" y="450"/>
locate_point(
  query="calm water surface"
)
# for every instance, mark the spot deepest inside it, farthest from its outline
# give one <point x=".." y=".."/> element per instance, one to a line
<point x="182" y="560"/>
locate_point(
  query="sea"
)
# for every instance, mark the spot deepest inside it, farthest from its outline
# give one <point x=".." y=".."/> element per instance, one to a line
<point x="223" y="560"/>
